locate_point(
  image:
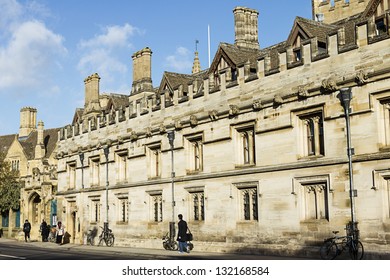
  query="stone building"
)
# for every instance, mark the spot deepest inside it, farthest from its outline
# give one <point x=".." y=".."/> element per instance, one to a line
<point x="32" y="153"/>
<point x="259" y="156"/>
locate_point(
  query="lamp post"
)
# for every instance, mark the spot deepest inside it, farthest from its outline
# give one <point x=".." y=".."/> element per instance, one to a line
<point x="345" y="98"/>
<point x="82" y="169"/>
<point x="171" y="138"/>
<point x="106" y="152"/>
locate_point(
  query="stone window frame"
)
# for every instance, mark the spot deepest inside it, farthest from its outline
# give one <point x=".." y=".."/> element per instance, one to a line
<point x="95" y="209"/>
<point x="244" y="137"/>
<point x="156" y="207"/>
<point x="154" y="155"/>
<point x="194" y="152"/>
<point x="122" y="208"/>
<point x="121" y="163"/>
<point x="314" y="197"/>
<point x="197" y="213"/>
<point x="311" y="133"/>
<point x="248" y="200"/>
<point x="381" y="185"/>
<point x="94" y="170"/>
<point x="71" y="167"/>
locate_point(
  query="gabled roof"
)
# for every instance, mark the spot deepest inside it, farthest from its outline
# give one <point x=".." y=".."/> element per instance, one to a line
<point x="117" y="101"/>
<point x="174" y="80"/>
<point x="6" y="142"/>
<point x="308" y="29"/>
<point x="50" y="137"/>
<point x="371" y="8"/>
<point x="234" y="55"/>
<point x="78" y="114"/>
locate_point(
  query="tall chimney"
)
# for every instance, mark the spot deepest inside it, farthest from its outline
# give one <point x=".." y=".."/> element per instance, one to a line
<point x="40" y="147"/>
<point x="142" y="71"/>
<point x="92" y="93"/>
<point x="28" y="120"/>
<point x="246" y="27"/>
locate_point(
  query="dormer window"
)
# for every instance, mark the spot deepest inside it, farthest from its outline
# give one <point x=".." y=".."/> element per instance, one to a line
<point x="297" y="54"/>
<point x="380" y="26"/>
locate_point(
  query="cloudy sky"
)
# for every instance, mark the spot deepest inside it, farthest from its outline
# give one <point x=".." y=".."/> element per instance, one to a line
<point x="48" y="48"/>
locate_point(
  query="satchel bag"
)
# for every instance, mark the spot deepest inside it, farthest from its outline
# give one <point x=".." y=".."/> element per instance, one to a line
<point x="189" y="235"/>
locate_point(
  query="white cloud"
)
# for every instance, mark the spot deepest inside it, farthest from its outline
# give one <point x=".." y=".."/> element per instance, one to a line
<point x="30" y="53"/>
<point x="10" y="9"/>
<point x="181" y="61"/>
<point x="114" y="36"/>
<point x="104" y="52"/>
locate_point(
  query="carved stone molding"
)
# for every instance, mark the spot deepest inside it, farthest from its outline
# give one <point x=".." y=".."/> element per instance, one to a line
<point x="162" y="129"/>
<point x="234" y="110"/>
<point x="361" y="77"/>
<point x="257" y="105"/>
<point x="329" y="85"/>
<point x="193" y="120"/>
<point x="278" y="100"/>
<point x="178" y="125"/>
<point x="302" y="91"/>
<point x="148" y="132"/>
<point x="133" y="136"/>
<point x="213" y="115"/>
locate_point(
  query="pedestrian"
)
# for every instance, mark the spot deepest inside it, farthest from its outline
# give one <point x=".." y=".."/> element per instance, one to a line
<point x="44" y="230"/>
<point x="26" y="230"/>
<point x="182" y="234"/>
<point x="60" y="232"/>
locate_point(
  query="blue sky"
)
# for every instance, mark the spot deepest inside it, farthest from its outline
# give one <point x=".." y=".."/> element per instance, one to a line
<point x="48" y="48"/>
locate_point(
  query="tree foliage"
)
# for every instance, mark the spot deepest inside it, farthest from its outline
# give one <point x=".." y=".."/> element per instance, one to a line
<point x="9" y="186"/>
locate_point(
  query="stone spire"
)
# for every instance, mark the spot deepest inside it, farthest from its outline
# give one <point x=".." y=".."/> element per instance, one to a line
<point x="196" y="66"/>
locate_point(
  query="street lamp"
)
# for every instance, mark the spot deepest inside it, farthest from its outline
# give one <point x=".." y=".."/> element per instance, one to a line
<point x="106" y="152"/>
<point x="345" y="97"/>
<point x="82" y="169"/>
<point x="171" y="138"/>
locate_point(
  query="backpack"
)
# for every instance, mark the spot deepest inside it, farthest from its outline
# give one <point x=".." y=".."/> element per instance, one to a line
<point x="27" y="227"/>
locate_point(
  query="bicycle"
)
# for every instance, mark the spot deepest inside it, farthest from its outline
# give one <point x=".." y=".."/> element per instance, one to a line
<point x="168" y="243"/>
<point x="91" y="236"/>
<point x="334" y="246"/>
<point x="107" y="236"/>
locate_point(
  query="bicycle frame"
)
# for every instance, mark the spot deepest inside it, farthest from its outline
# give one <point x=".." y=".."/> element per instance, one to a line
<point x="334" y="246"/>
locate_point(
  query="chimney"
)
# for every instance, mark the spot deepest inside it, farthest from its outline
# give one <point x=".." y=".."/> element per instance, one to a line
<point x="28" y="119"/>
<point x="142" y="71"/>
<point x="246" y="27"/>
<point x="40" y="147"/>
<point x="92" y="103"/>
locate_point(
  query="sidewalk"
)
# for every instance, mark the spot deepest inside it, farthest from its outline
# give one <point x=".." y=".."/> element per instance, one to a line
<point x="159" y="252"/>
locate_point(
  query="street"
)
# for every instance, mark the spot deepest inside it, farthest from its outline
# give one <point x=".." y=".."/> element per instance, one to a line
<point x="11" y="249"/>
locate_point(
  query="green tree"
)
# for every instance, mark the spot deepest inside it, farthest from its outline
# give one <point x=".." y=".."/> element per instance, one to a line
<point x="9" y="186"/>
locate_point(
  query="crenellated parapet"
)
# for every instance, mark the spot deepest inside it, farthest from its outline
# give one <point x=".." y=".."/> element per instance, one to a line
<point x="274" y="81"/>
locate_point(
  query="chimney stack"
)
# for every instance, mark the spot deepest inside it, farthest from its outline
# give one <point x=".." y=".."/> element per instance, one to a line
<point x="246" y="27"/>
<point x="28" y="120"/>
<point x="92" y="103"/>
<point x="142" y="71"/>
<point x="40" y="147"/>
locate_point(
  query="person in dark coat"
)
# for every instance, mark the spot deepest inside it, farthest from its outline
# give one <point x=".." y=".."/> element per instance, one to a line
<point x="44" y="231"/>
<point x="26" y="230"/>
<point x="182" y="234"/>
<point x="60" y="233"/>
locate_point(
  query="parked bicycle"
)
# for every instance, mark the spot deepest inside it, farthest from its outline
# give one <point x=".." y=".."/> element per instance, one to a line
<point x="334" y="246"/>
<point x="169" y="243"/>
<point x="107" y="236"/>
<point x="92" y="233"/>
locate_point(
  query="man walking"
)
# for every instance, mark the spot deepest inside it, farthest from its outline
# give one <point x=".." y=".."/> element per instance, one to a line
<point x="26" y="230"/>
<point x="182" y="234"/>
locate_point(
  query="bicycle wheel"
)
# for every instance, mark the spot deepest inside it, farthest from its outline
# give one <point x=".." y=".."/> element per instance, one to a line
<point x="356" y="250"/>
<point x="328" y="250"/>
<point x="110" y="240"/>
